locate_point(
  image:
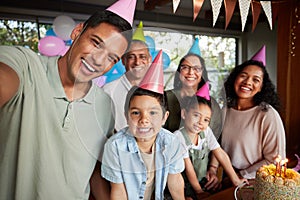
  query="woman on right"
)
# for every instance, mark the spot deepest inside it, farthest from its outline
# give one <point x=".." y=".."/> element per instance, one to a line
<point x="253" y="133"/>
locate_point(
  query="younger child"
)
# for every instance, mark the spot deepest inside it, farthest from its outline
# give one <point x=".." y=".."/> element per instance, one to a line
<point x="142" y="158"/>
<point x="198" y="139"/>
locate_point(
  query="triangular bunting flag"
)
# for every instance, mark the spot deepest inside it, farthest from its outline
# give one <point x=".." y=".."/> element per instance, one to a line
<point x="244" y="10"/>
<point x="216" y="6"/>
<point x="175" y="5"/>
<point x="197" y="7"/>
<point x="266" y="5"/>
<point x="229" y="8"/>
<point x="256" y="8"/>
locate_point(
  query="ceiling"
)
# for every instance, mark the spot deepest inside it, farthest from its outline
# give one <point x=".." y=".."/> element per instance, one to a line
<point x="154" y="11"/>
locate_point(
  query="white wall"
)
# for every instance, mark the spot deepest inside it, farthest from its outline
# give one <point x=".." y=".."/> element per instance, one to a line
<point x="263" y="35"/>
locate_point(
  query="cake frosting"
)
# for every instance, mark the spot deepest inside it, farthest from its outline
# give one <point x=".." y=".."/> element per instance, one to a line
<point x="269" y="186"/>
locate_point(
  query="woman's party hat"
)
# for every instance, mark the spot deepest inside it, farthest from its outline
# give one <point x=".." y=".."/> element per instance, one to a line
<point x="260" y="55"/>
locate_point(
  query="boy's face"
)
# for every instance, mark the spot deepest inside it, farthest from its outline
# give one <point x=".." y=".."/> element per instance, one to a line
<point x="197" y="118"/>
<point x="145" y="117"/>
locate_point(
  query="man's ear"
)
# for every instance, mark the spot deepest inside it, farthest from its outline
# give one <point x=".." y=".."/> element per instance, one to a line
<point x="183" y="113"/>
<point x="77" y="31"/>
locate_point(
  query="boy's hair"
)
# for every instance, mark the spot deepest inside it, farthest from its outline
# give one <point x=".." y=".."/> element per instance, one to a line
<point x="189" y="102"/>
<point x="110" y="18"/>
<point x="136" y="91"/>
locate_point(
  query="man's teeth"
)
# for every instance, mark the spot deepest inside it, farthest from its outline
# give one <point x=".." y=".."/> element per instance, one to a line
<point x="88" y="66"/>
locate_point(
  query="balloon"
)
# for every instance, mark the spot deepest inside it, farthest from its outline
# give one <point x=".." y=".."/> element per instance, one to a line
<point x="166" y="60"/>
<point x="115" y="72"/>
<point x="63" y="26"/>
<point x="151" y="44"/>
<point x="64" y="51"/>
<point x="51" y="46"/>
<point x="50" y="32"/>
<point x="100" y="81"/>
<point x="68" y="42"/>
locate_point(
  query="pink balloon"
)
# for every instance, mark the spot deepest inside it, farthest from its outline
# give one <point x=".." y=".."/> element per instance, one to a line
<point x="51" y="46"/>
<point x="64" y="51"/>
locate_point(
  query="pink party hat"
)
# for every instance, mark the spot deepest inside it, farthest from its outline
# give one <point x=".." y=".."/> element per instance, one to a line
<point x="260" y="55"/>
<point x="154" y="78"/>
<point x="124" y="8"/>
<point x="204" y="91"/>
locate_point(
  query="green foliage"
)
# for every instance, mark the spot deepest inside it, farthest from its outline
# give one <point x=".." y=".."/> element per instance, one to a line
<point x="20" y="33"/>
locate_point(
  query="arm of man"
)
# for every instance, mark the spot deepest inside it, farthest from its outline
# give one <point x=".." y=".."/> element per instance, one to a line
<point x="176" y="186"/>
<point x="99" y="186"/>
<point x="118" y="191"/>
<point x="9" y="83"/>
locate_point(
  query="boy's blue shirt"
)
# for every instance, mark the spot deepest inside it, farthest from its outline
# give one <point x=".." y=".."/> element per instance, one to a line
<point x="122" y="162"/>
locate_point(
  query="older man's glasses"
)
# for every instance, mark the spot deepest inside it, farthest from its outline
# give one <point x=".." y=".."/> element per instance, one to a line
<point x="187" y="68"/>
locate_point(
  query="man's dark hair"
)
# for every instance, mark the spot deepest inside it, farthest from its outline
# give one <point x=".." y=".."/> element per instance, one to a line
<point x="110" y="18"/>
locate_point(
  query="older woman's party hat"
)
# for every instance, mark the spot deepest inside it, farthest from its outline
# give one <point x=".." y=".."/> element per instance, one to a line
<point x="260" y="55"/>
<point x="124" y="8"/>
<point x="139" y="33"/>
<point x="195" y="49"/>
<point x="204" y="91"/>
<point x="154" y="78"/>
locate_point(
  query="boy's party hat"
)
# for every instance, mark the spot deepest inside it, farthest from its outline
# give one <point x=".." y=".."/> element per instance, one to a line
<point x="204" y="91"/>
<point x="195" y="49"/>
<point x="124" y="8"/>
<point x="154" y="78"/>
<point x="260" y="55"/>
<point x="139" y="33"/>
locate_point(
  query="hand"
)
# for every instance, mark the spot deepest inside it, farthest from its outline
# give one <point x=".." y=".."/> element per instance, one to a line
<point x="240" y="181"/>
<point x="212" y="181"/>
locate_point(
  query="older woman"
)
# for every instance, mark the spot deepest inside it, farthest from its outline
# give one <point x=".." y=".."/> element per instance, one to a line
<point x="190" y="76"/>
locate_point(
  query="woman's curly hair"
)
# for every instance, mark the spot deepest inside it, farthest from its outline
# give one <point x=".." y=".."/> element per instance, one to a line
<point x="267" y="95"/>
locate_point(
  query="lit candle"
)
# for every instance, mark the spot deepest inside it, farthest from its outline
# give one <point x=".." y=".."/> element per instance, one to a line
<point x="285" y="166"/>
<point x="278" y="167"/>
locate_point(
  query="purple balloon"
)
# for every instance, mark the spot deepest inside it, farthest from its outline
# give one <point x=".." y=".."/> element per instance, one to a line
<point x="51" y="46"/>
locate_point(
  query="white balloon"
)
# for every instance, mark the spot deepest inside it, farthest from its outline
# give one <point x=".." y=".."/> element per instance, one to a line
<point x="63" y="26"/>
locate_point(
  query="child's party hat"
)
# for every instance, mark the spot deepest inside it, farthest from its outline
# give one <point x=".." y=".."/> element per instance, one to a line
<point x="154" y="78"/>
<point x="204" y="91"/>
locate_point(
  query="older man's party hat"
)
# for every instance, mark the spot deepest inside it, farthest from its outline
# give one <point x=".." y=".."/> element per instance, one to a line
<point x="195" y="49"/>
<point x="260" y="55"/>
<point x="124" y="8"/>
<point x="154" y="78"/>
<point x="139" y="33"/>
<point x="204" y="91"/>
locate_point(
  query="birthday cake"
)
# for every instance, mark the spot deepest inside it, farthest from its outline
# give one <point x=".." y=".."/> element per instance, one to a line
<point x="273" y="185"/>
